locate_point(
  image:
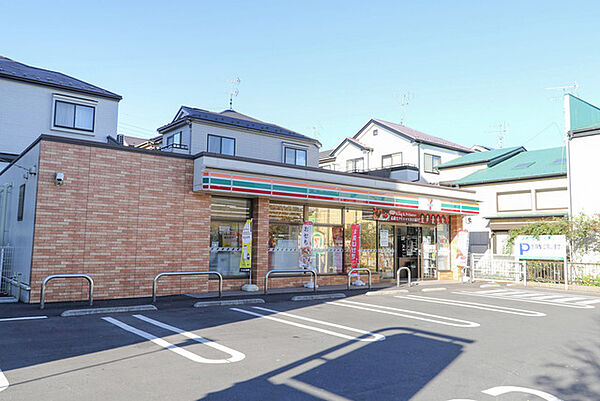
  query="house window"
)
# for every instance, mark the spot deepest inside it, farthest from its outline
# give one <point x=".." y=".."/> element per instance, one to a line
<point x="431" y="163"/>
<point x="21" y="203"/>
<point x="175" y="142"/>
<point x="353" y="165"/>
<point x="74" y="116"/>
<point x="221" y="144"/>
<point x="395" y="159"/>
<point x="295" y="156"/>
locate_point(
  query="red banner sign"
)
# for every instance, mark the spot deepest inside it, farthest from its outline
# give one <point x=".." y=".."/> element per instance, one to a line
<point x="405" y="216"/>
<point x="354" y="246"/>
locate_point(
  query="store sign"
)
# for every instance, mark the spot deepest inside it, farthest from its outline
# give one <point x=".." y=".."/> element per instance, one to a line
<point x="338" y="242"/>
<point x="544" y="247"/>
<point x="246" y="258"/>
<point x="354" y="247"/>
<point x="462" y="248"/>
<point x="306" y="245"/>
<point x="434" y="205"/>
<point x="405" y="216"/>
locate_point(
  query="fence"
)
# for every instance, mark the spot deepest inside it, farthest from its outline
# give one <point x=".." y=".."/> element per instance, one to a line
<point x="6" y="268"/>
<point x="548" y="271"/>
<point x="490" y="267"/>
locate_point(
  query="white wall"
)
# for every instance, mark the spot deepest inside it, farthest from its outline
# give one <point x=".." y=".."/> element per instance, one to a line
<point x="247" y="143"/>
<point x="455" y="173"/>
<point x="585" y="192"/>
<point x="445" y="154"/>
<point x="19" y="234"/>
<point x="524" y="192"/>
<point x="26" y="113"/>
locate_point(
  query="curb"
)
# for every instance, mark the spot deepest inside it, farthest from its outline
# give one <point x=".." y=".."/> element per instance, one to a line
<point x="489" y="285"/>
<point x="434" y="289"/>
<point x="8" y="300"/>
<point x="116" y="309"/>
<point x="203" y="304"/>
<point x="384" y="292"/>
<point x="319" y="296"/>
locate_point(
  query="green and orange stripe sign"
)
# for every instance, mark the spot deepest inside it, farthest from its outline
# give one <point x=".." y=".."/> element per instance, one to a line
<point x="247" y="184"/>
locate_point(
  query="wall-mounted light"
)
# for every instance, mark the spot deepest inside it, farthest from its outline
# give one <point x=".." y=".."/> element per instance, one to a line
<point x="59" y="179"/>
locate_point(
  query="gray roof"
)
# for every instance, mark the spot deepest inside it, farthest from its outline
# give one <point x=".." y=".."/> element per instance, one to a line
<point x="419" y="136"/>
<point x="325" y="154"/>
<point x="14" y="70"/>
<point x="232" y="117"/>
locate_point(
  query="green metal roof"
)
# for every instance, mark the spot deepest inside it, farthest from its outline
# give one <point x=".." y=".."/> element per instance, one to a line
<point x="479" y="157"/>
<point x="524" y="165"/>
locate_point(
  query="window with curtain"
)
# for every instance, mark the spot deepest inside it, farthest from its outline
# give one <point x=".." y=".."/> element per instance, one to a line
<point x="221" y="144"/>
<point x="431" y="163"/>
<point x="73" y="116"/>
<point x="295" y="156"/>
<point x="394" y="159"/>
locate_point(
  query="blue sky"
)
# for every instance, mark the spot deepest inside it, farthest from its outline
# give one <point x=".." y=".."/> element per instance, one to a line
<point x="332" y="65"/>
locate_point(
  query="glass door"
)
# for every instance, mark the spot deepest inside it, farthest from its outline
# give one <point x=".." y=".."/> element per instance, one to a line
<point x="407" y="249"/>
<point x="429" y="252"/>
<point x="385" y="250"/>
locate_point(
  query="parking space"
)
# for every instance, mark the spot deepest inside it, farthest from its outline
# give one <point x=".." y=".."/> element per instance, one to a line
<point x="463" y="343"/>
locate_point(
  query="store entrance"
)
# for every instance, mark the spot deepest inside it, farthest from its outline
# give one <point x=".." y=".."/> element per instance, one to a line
<point x="413" y="246"/>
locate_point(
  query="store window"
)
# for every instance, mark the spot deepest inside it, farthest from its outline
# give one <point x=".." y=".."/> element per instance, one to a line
<point x="228" y="216"/>
<point x="285" y="225"/>
<point x="328" y="239"/>
<point x="368" y="237"/>
<point x="443" y="246"/>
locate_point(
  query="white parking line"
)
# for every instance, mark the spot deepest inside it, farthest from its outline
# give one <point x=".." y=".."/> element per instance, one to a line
<point x="3" y="381"/>
<point x="473" y="305"/>
<point x="10" y="319"/>
<point x="448" y="321"/>
<point x="167" y="345"/>
<point x="527" y="298"/>
<point x="236" y="356"/>
<point x="375" y="337"/>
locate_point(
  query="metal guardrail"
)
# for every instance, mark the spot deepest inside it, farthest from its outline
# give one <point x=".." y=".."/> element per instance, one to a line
<point x="283" y="271"/>
<point x="359" y="269"/>
<point x="398" y="275"/>
<point x="159" y="275"/>
<point x="53" y="276"/>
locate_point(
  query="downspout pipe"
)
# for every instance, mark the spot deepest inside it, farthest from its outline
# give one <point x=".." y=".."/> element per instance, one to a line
<point x="4" y="192"/>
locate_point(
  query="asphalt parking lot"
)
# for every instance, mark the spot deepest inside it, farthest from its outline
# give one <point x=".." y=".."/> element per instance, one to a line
<point x="461" y="343"/>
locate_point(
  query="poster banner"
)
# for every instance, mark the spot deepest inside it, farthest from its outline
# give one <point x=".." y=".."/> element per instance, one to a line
<point x="246" y="258"/>
<point x="306" y="245"/>
<point x="543" y="247"/>
<point x="462" y="248"/>
<point x="354" y="247"/>
<point x="407" y="216"/>
<point x="338" y="243"/>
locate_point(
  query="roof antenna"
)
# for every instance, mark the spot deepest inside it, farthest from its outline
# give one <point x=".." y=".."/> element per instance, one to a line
<point x="405" y="99"/>
<point x="501" y="132"/>
<point x="235" y="84"/>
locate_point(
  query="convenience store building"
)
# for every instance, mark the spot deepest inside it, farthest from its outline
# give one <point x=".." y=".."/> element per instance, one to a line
<point x="123" y="215"/>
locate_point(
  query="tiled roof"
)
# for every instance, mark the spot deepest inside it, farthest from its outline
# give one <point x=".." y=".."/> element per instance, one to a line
<point x="232" y="117"/>
<point x="480" y="157"/>
<point x="422" y="137"/>
<point x="324" y="154"/>
<point x="14" y="70"/>
<point x="133" y="140"/>
<point x="524" y="165"/>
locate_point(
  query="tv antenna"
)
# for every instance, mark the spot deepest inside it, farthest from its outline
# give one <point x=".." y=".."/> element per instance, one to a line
<point x="316" y="131"/>
<point x="565" y="89"/>
<point x="405" y="99"/>
<point x="501" y="131"/>
<point x="235" y="84"/>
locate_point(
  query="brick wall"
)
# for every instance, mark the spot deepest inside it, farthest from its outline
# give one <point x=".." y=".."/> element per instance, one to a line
<point x="121" y="217"/>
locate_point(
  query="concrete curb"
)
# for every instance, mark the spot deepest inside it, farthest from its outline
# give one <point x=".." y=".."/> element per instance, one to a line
<point x="8" y="300"/>
<point x="489" y="285"/>
<point x="385" y="292"/>
<point x="434" y="289"/>
<point x="116" y="309"/>
<point x="227" y="302"/>
<point x="318" y="296"/>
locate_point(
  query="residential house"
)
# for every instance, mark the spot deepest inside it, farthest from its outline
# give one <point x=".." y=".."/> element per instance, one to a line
<point x="230" y="133"/>
<point x="392" y="150"/>
<point x="515" y="187"/>
<point x="35" y="101"/>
